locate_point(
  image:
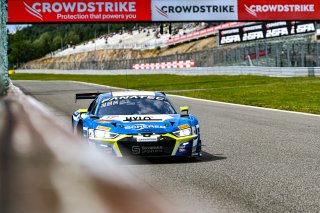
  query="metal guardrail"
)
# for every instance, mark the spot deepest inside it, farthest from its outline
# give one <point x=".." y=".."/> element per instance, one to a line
<point x="4" y="79"/>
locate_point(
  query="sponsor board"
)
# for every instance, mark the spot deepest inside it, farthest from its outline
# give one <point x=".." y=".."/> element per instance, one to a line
<point x="203" y="33"/>
<point x="36" y="11"/>
<point x="265" y="30"/>
<point x="31" y="11"/>
<point x="190" y="10"/>
<point x="278" y="10"/>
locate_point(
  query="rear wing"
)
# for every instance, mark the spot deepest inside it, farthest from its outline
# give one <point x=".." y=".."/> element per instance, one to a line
<point x="81" y="96"/>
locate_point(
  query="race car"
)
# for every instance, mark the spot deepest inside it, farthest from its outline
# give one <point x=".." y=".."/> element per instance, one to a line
<point x="137" y="123"/>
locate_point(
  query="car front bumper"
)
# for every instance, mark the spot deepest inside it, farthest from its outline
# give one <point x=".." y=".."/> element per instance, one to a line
<point x="167" y="145"/>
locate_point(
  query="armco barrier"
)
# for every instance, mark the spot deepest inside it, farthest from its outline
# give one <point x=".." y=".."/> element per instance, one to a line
<point x="164" y="65"/>
<point x="232" y="70"/>
<point x="44" y="168"/>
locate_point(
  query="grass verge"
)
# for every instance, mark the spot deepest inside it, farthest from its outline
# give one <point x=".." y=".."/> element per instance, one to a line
<point x="294" y="94"/>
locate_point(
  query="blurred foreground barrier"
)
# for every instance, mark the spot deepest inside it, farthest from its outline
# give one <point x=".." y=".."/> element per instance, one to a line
<point x="43" y="168"/>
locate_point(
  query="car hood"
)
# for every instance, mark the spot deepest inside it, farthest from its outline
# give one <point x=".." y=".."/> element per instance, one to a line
<point x="142" y="124"/>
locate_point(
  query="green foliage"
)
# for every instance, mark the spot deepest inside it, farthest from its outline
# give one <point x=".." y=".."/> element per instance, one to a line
<point x="40" y="39"/>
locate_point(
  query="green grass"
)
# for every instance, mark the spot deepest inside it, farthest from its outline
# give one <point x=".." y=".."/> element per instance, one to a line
<point x="295" y="94"/>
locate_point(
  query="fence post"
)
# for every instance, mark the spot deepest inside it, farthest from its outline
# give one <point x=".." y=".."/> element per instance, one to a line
<point x="302" y="55"/>
<point x="4" y="79"/>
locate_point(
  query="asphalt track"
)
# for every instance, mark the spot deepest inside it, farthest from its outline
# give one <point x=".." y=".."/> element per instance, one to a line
<point x="255" y="160"/>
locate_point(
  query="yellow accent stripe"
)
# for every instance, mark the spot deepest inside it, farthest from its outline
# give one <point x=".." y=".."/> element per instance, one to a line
<point x="113" y="142"/>
<point x="179" y="141"/>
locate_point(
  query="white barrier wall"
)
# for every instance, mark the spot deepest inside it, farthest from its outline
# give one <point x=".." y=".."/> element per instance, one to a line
<point x="232" y="70"/>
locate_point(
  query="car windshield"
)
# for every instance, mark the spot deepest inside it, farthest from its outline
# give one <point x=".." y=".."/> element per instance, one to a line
<point x="135" y="105"/>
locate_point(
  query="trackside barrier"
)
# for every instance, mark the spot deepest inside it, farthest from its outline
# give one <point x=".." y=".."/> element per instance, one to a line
<point x="44" y="168"/>
<point x="164" y="65"/>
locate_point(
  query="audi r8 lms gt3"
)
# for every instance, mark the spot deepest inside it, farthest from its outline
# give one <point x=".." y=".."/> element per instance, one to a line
<point x="139" y="124"/>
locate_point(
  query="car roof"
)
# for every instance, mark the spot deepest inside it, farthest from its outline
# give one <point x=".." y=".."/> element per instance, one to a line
<point x="132" y="93"/>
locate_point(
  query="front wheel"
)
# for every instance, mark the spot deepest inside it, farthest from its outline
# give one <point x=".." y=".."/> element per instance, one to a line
<point x="79" y="130"/>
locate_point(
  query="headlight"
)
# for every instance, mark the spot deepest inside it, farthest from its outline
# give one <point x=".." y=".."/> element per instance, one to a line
<point x="100" y="134"/>
<point x="183" y="133"/>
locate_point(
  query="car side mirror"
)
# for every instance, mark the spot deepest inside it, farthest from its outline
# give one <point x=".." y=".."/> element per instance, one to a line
<point x="184" y="109"/>
<point x="94" y="117"/>
<point x="83" y="113"/>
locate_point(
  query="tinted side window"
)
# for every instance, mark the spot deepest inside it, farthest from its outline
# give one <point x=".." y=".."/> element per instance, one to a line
<point x="92" y="107"/>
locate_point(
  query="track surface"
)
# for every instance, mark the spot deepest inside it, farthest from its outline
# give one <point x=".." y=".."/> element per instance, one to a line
<point x="255" y="160"/>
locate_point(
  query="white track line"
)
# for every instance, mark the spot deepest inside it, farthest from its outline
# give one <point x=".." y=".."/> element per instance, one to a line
<point x="216" y="102"/>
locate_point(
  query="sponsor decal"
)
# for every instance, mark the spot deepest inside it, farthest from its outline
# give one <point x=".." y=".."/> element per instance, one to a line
<point x="265" y="30"/>
<point x="184" y="126"/>
<point x="144" y="126"/>
<point x="74" y="11"/>
<point x="153" y="138"/>
<point x="103" y="128"/>
<point x="141" y="118"/>
<point x="136" y="150"/>
<point x="134" y="118"/>
<point x="120" y="98"/>
<point x="194" y="10"/>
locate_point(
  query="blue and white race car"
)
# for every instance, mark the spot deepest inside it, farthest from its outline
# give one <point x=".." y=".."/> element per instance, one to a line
<point x="135" y="123"/>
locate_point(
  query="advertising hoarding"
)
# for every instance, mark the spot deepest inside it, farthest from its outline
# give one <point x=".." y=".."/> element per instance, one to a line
<point x="266" y="30"/>
<point x="190" y="10"/>
<point x="32" y="11"/>
<point x="278" y="10"/>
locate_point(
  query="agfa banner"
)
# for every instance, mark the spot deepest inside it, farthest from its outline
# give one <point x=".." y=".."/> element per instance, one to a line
<point x="22" y="11"/>
<point x="194" y="10"/>
<point x="266" y="30"/>
<point x="279" y="9"/>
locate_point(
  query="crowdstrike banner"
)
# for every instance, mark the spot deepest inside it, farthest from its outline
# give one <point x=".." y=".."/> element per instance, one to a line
<point x="32" y="11"/>
<point x="191" y="10"/>
<point x="78" y="11"/>
<point x="279" y="10"/>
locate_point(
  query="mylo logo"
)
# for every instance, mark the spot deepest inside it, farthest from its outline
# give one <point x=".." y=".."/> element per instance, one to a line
<point x="133" y="118"/>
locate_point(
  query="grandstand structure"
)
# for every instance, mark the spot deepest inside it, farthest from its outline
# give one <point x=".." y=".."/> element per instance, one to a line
<point x="138" y="39"/>
<point x="147" y="38"/>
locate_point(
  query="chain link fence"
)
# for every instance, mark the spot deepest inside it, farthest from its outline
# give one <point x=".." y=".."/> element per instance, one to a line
<point x="296" y="52"/>
<point x="4" y="79"/>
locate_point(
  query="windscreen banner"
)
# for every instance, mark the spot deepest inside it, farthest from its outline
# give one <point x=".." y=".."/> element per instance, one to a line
<point x="191" y="10"/>
<point x="33" y="11"/>
<point x="265" y="30"/>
